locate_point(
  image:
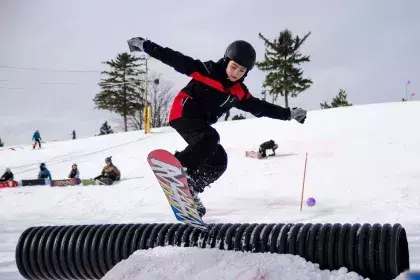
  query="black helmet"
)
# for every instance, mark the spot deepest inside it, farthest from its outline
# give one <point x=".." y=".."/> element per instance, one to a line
<point x="241" y="52"/>
<point x="42" y="165"/>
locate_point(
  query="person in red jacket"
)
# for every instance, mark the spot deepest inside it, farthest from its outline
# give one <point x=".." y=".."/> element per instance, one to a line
<point x="214" y="89"/>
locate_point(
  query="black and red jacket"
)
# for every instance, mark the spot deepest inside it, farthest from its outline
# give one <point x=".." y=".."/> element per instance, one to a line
<point x="210" y="93"/>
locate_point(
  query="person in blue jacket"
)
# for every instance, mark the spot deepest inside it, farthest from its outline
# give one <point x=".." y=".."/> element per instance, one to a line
<point x="44" y="173"/>
<point x="37" y="138"/>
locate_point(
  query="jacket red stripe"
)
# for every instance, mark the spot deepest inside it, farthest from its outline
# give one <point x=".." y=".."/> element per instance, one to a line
<point x="237" y="89"/>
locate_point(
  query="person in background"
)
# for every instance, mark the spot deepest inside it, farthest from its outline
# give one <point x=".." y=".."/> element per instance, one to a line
<point x="74" y="173"/>
<point x="109" y="171"/>
<point x="37" y="138"/>
<point x="7" y="176"/>
<point x="44" y="173"/>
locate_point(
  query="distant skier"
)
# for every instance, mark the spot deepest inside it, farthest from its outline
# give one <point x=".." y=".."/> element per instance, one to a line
<point x="37" y="138"/>
<point x="74" y="134"/>
<point x="214" y="89"/>
<point x="74" y="173"/>
<point x="110" y="171"/>
<point x="44" y="173"/>
<point x="7" y="176"/>
<point x="1" y="143"/>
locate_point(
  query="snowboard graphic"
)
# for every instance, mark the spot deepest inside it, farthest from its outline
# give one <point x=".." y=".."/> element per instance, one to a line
<point x="65" y="182"/>
<point x="172" y="180"/>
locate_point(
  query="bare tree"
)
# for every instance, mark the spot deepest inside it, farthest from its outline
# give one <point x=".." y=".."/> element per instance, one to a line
<point x="134" y="121"/>
<point x="119" y="124"/>
<point x="137" y="119"/>
<point x="160" y="95"/>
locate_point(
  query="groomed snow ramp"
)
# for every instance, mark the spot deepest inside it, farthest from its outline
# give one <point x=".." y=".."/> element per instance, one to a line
<point x="90" y="251"/>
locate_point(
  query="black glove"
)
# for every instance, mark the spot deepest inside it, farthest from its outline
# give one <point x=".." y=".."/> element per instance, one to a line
<point x="136" y="44"/>
<point x="298" y="114"/>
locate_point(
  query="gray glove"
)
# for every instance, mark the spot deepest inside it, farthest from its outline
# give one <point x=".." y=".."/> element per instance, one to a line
<point x="136" y="44"/>
<point x="298" y="114"/>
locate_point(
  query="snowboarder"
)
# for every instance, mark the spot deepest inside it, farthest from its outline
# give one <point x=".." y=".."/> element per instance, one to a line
<point x="44" y="173"/>
<point x="268" y="145"/>
<point x="215" y="88"/>
<point x="105" y="129"/>
<point x="7" y="176"/>
<point x="37" y="138"/>
<point x="74" y="134"/>
<point x="74" y="173"/>
<point x="109" y="171"/>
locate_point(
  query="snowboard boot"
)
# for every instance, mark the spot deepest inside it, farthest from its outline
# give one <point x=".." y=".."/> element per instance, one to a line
<point x="198" y="204"/>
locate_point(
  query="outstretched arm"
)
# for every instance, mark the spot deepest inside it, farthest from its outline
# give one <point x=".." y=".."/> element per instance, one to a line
<point x="261" y="108"/>
<point x="180" y="62"/>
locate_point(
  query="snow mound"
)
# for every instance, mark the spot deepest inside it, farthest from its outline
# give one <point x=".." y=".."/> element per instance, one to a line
<point x="176" y="263"/>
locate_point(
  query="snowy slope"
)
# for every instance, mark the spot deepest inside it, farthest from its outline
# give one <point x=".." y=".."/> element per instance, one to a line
<point x="362" y="167"/>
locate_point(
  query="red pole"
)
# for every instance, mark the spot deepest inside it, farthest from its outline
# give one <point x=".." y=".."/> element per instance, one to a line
<point x="303" y="184"/>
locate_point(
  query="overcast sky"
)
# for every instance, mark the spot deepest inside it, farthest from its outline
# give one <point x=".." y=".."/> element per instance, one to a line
<point x="369" y="48"/>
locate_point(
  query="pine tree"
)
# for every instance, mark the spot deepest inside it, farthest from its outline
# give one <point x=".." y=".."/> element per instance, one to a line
<point x="282" y="58"/>
<point x="339" y="101"/>
<point x="122" y="90"/>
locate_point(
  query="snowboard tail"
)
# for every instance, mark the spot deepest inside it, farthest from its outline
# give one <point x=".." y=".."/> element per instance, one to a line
<point x="92" y="182"/>
<point x="9" y="184"/>
<point x="253" y="154"/>
<point x="173" y="181"/>
<point x="34" y="182"/>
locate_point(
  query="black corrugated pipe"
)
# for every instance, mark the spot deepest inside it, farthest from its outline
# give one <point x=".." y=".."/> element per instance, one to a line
<point x="90" y="251"/>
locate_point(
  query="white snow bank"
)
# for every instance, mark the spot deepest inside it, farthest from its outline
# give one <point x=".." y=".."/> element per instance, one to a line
<point x="194" y="263"/>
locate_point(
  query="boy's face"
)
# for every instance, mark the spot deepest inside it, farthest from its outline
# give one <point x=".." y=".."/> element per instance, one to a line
<point x="235" y="71"/>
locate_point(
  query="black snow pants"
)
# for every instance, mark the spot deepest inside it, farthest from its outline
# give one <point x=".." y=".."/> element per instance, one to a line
<point x="204" y="158"/>
<point x="37" y="141"/>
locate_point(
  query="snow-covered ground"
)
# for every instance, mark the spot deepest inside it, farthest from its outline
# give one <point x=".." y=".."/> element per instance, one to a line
<point x="362" y="167"/>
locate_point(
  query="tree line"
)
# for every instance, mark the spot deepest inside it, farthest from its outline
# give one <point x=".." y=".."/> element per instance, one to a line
<point x="127" y="87"/>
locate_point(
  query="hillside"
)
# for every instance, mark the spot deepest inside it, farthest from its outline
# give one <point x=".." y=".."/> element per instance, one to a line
<point x="362" y="168"/>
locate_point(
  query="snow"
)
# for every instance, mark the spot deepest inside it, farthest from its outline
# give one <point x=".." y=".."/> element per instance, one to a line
<point x="173" y="263"/>
<point x="362" y="168"/>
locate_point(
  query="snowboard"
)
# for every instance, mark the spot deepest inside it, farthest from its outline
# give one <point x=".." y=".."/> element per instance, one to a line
<point x="252" y="154"/>
<point x="65" y="182"/>
<point x="258" y="155"/>
<point x="9" y="184"/>
<point x="173" y="181"/>
<point x="34" y="182"/>
<point x="92" y="182"/>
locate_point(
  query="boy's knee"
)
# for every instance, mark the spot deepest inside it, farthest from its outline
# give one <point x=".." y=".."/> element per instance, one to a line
<point x="221" y="156"/>
<point x="212" y="136"/>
